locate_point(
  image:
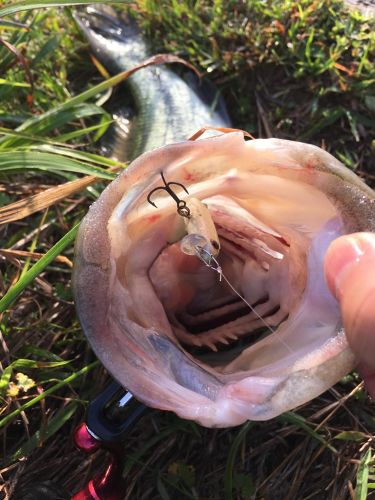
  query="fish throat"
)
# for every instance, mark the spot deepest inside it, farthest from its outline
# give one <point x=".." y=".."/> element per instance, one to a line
<point x="243" y="310"/>
<point x="226" y="272"/>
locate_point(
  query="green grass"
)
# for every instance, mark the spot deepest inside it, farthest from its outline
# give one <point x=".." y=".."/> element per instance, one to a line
<point x="300" y="70"/>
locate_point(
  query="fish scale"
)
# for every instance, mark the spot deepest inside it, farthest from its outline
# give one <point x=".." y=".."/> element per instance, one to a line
<point x="167" y="108"/>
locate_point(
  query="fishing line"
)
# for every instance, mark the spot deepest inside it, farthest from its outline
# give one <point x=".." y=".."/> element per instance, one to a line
<point x="207" y="258"/>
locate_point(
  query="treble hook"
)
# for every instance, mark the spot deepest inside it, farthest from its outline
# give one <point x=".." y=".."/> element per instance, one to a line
<point x="182" y="209"/>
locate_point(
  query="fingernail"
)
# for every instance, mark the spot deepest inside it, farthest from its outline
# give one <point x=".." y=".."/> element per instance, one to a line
<point x="344" y="253"/>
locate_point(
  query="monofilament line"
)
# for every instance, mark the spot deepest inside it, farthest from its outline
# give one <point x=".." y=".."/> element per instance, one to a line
<point x="209" y="261"/>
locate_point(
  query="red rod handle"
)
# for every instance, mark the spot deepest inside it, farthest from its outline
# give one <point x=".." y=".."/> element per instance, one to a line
<point x="107" y="485"/>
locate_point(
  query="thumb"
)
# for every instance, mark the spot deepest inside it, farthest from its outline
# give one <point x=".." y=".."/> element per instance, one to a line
<point x="350" y="274"/>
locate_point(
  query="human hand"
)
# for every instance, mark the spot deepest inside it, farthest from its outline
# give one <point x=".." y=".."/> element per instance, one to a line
<point x="350" y="274"/>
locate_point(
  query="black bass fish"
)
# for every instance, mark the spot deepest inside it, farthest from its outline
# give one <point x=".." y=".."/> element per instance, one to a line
<point x="167" y="108"/>
<point x="217" y="308"/>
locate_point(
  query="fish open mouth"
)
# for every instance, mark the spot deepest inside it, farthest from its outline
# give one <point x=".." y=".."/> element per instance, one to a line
<point x="247" y="333"/>
<point x="264" y="304"/>
<point x="219" y="314"/>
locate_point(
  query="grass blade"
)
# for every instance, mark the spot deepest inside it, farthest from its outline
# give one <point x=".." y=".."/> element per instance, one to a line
<point x="136" y="456"/>
<point x="12" y="294"/>
<point x="162" y="489"/>
<point x="31" y="204"/>
<point x="100" y="128"/>
<point x="78" y="155"/>
<point x="55" y="423"/>
<point x="26" y="364"/>
<point x="31" y="138"/>
<point x="295" y="419"/>
<point x="14" y="84"/>
<point x="228" y="477"/>
<point x="17" y="161"/>
<point x="362" y="476"/>
<point x="47" y="392"/>
<point x="24" y="254"/>
<point x="55" y="117"/>
<point x="49" y="121"/>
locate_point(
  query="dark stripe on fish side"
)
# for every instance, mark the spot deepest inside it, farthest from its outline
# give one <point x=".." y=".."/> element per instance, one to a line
<point x="168" y="108"/>
<point x="104" y="22"/>
<point x="184" y="371"/>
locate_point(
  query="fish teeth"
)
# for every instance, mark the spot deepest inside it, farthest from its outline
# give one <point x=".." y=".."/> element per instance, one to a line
<point x="212" y="346"/>
<point x="230" y="335"/>
<point x="197" y="342"/>
<point x="224" y="341"/>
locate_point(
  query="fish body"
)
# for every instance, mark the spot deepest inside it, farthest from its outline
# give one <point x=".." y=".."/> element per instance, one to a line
<point x="162" y="321"/>
<point x="168" y="108"/>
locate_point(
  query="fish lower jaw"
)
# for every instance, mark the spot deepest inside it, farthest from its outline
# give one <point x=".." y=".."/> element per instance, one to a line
<point x="263" y="398"/>
<point x="257" y="373"/>
<point x="275" y="395"/>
